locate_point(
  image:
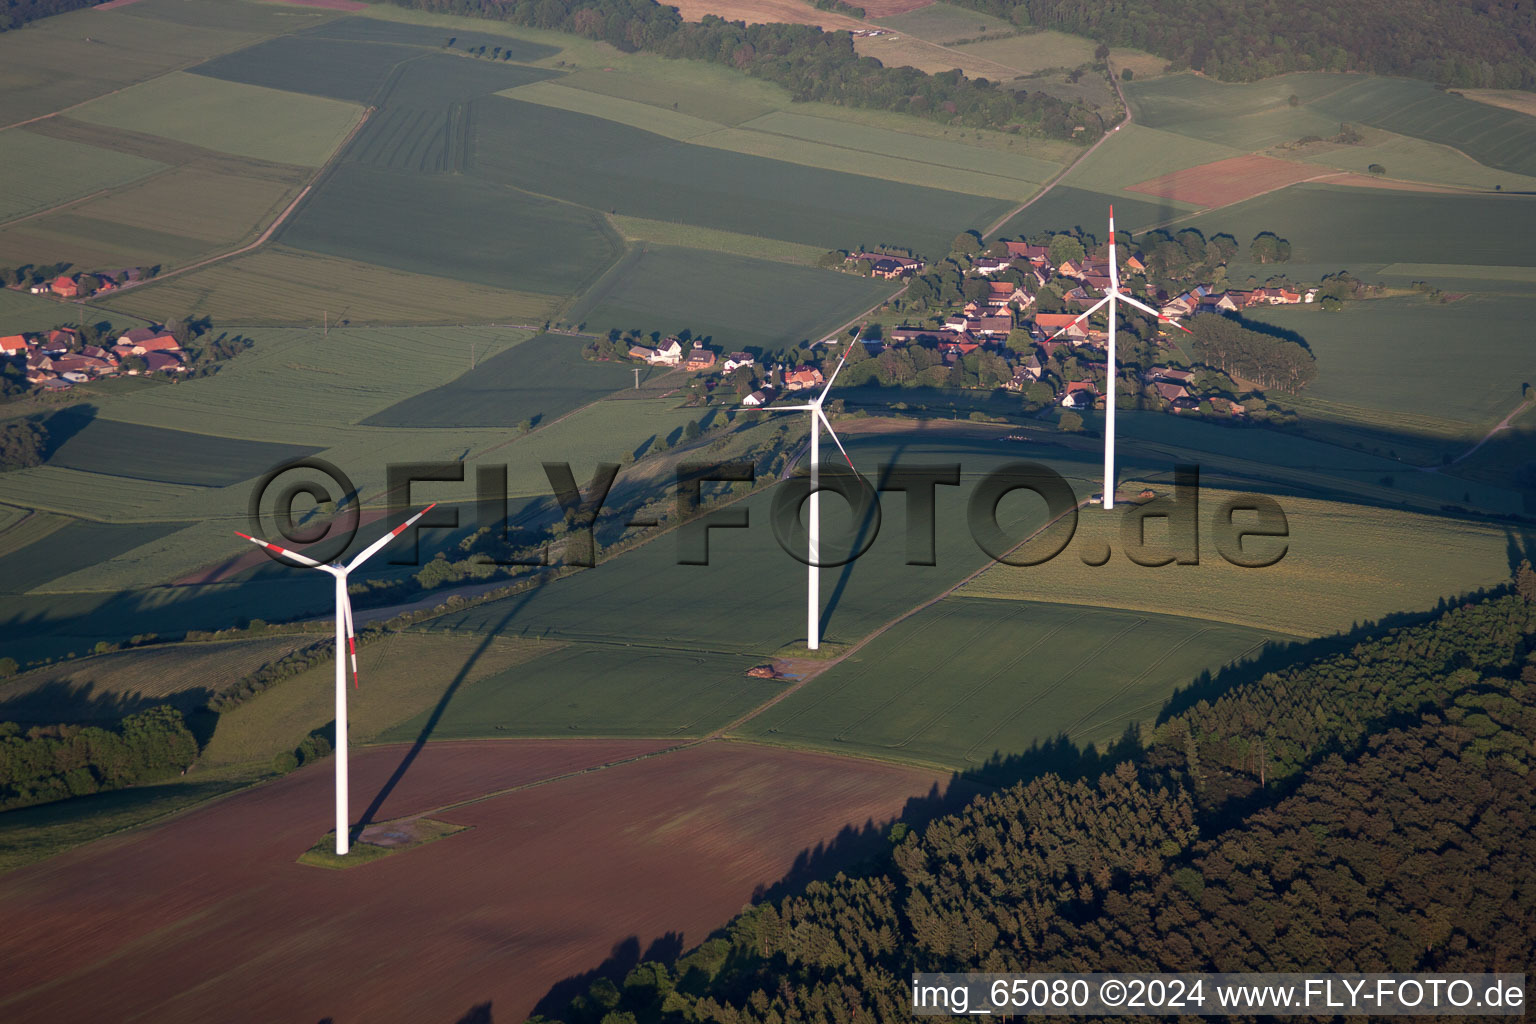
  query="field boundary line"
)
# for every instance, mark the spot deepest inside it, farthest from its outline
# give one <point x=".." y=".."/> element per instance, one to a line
<point x="722" y="732"/>
<point x="1500" y="426"/>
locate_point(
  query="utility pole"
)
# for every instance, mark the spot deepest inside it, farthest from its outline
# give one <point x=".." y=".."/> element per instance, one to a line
<point x="326" y="330"/>
<point x="471" y="354"/>
<point x="637" y="378"/>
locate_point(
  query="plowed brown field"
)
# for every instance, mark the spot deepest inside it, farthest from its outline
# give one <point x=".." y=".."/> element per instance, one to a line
<point x="1229" y="181"/>
<point x="208" y="917"/>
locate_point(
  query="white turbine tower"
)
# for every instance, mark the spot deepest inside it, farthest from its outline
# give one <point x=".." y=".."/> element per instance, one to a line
<point x="1113" y="295"/>
<point x="346" y="639"/>
<point x="818" y="417"/>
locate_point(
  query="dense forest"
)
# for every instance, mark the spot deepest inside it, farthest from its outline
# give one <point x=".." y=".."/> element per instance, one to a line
<point x="1365" y="810"/>
<point x="1484" y="44"/>
<point x="56" y="762"/>
<point x="16" y="13"/>
<point x="810" y="63"/>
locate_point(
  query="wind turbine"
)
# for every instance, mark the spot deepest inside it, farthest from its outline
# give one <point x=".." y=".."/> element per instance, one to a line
<point x="818" y="417"/>
<point x="1113" y="295"/>
<point x="344" y="631"/>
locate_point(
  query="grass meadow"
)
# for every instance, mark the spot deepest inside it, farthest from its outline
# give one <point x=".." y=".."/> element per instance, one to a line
<point x="246" y="120"/>
<point x="967" y="679"/>
<point x="73" y="172"/>
<point x="281" y="286"/>
<point x="732" y="300"/>
<point x="1344" y="564"/>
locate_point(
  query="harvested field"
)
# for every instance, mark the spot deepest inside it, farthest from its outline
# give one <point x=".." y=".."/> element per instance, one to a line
<point x="543" y="887"/>
<point x="761" y="12"/>
<point x="1226" y="181"/>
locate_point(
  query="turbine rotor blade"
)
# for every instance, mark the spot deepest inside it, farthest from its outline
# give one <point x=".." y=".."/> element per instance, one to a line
<point x="1090" y="311"/>
<point x="823" y="417"/>
<point x="373" y="548"/>
<point x="1131" y="301"/>
<point x="835" y="372"/>
<point x="301" y="559"/>
<point x="1114" y="269"/>
<point x="346" y="610"/>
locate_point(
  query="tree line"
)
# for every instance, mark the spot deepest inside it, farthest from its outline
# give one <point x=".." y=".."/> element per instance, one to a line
<point x="1239" y="351"/>
<point x="810" y="63"/>
<point x="17" y="13"/>
<point x="55" y="762"/>
<point x="1361" y="811"/>
<point x="1470" y="43"/>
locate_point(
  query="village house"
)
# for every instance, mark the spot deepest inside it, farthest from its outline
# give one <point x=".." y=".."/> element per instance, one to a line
<point x="736" y="360"/>
<point x="990" y="326"/>
<point x="638" y="351"/>
<point x="1134" y="265"/>
<point x="143" y="340"/>
<point x="1047" y="324"/>
<point x="699" y="358"/>
<point x="1002" y="293"/>
<point x="1169" y="391"/>
<point x="802" y="378"/>
<point x="14" y="344"/>
<point x="64" y="287"/>
<point x="758" y="398"/>
<point x="163" y="362"/>
<point x="1079" y="394"/>
<point x="1036" y="254"/>
<point x="988" y="266"/>
<point x="1165" y="373"/>
<point x="668" y="353"/>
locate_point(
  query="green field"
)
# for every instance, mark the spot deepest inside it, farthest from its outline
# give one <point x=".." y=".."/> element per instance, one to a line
<point x="1411" y="159"/>
<point x="687" y="236"/>
<point x="1490" y="135"/>
<point x="1390" y="355"/>
<point x="20" y="311"/>
<point x="399" y="676"/>
<point x="1344" y="564"/>
<point x="336" y="68"/>
<point x="1136" y="153"/>
<point x="457" y="227"/>
<point x="245" y="120"/>
<point x="731" y="300"/>
<point x="558" y="93"/>
<point x="945" y="23"/>
<point x="1360" y="228"/>
<point x="372" y="29"/>
<point x="644" y="175"/>
<point x="109" y="686"/>
<point x="593" y="689"/>
<point x="72" y="171"/>
<point x="1065" y="207"/>
<point x="1259" y="115"/>
<point x="967" y="679"/>
<point x="75" y="546"/>
<point x="106" y="50"/>
<point x="544" y="377"/>
<point x="191" y="203"/>
<point x="1035" y="51"/>
<point x="285" y="286"/>
<point x="168" y="456"/>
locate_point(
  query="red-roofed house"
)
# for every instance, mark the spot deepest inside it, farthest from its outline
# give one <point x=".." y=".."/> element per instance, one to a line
<point x="700" y="358"/>
<point x="1050" y="323"/>
<point x="1033" y="253"/>
<point x="64" y="286"/>
<point x="13" y="344"/>
<point x="799" y="380"/>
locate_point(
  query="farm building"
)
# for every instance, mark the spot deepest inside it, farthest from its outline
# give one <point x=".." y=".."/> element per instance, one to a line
<point x="64" y="287"/>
